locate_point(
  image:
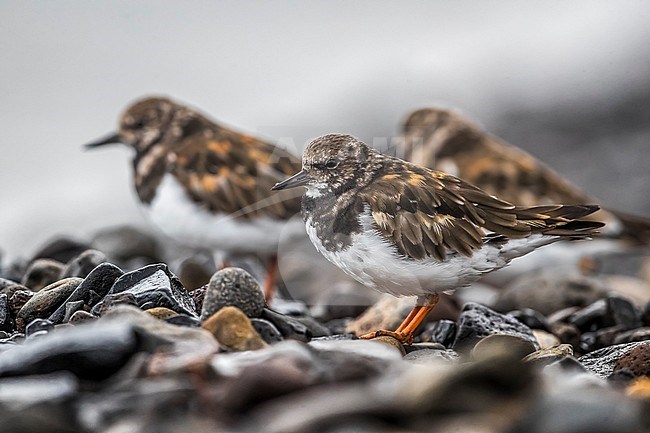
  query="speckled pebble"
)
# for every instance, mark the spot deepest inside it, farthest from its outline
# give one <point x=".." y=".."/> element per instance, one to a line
<point x="233" y="287"/>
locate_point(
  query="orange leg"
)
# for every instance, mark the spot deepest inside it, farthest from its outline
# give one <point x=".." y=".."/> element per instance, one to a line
<point x="404" y="333"/>
<point x="269" y="281"/>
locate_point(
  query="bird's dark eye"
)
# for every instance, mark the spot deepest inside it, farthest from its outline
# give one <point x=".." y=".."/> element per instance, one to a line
<point x="331" y="163"/>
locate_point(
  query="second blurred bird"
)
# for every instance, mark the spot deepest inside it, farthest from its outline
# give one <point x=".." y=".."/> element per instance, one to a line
<point x="206" y="186"/>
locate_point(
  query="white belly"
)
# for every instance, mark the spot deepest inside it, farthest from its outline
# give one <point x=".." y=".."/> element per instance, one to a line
<point x="189" y="224"/>
<point x="374" y="262"/>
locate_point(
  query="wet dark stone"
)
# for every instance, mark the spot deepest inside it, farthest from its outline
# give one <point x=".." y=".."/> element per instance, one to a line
<point x="183" y="320"/>
<point x="570" y="363"/>
<point x="61" y="249"/>
<point x="336" y="337"/>
<point x="37" y="325"/>
<point x="110" y="301"/>
<point x="590" y="341"/>
<point x="602" y="361"/>
<point x="233" y="287"/>
<point x="316" y="328"/>
<point x="90" y="352"/>
<point x="477" y="321"/>
<point x="592" y="317"/>
<point x="81" y="265"/>
<point x="6" y="324"/>
<point x="267" y="330"/>
<point x="288" y="326"/>
<point x="531" y="318"/>
<point x="93" y="288"/>
<point x="290" y="307"/>
<point x="623" y="313"/>
<point x="639" y="334"/>
<point x="41" y="273"/>
<point x="443" y="332"/>
<point x="155" y="286"/>
<point x="46" y="301"/>
<point x="71" y="308"/>
<point x="9" y="287"/>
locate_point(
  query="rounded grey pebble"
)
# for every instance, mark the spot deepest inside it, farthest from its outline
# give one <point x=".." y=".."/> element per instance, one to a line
<point x="233" y="287"/>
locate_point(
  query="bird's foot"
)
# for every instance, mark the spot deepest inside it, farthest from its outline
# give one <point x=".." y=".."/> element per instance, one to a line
<point x="402" y="337"/>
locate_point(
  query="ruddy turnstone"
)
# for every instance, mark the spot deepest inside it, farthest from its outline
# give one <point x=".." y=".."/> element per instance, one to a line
<point x="205" y="185"/>
<point x="445" y="140"/>
<point x="411" y="231"/>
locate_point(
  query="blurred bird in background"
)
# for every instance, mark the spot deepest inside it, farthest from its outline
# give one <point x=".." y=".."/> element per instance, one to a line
<point x="207" y="186"/>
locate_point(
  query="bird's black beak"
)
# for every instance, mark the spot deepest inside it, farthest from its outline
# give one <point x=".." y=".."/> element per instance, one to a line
<point x="299" y="179"/>
<point x="112" y="138"/>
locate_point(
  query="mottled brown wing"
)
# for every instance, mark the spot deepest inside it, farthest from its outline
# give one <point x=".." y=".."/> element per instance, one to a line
<point x="233" y="174"/>
<point x="442" y="139"/>
<point x="425" y="212"/>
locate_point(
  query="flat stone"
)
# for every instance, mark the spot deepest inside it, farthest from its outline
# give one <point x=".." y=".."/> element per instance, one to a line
<point x="233" y="330"/>
<point x="233" y="287"/>
<point x="90" y="352"/>
<point x="267" y="330"/>
<point x="46" y="301"/>
<point x="602" y="362"/>
<point x="426" y="356"/>
<point x="497" y="344"/>
<point x="95" y="286"/>
<point x="548" y="292"/>
<point x="288" y="326"/>
<point x="155" y="286"/>
<point x="42" y="273"/>
<point x="477" y="321"/>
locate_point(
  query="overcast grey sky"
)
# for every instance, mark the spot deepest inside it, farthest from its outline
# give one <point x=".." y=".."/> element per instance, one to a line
<point x="290" y="70"/>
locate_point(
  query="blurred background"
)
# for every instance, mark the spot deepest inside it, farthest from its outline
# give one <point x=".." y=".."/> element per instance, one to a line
<point x="568" y="81"/>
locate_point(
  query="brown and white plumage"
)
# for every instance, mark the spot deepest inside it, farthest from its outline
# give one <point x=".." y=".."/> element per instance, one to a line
<point x="205" y="185"/>
<point x="445" y="140"/>
<point x="411" y="231"/>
